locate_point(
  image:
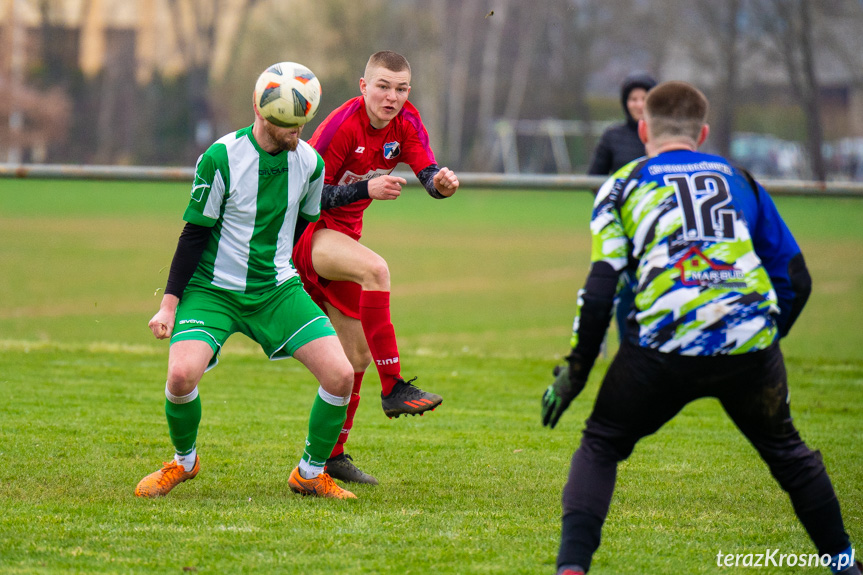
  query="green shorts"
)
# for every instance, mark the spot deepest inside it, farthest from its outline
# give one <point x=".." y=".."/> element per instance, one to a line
<point x="281" y="320"/>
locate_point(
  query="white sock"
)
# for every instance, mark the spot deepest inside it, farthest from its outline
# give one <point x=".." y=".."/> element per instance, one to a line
<point x="309" y="471"/>
<point x="188" y="460"/>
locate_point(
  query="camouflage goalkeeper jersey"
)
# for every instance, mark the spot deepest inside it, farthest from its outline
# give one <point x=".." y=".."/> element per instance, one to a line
<point x="705" y="244"/>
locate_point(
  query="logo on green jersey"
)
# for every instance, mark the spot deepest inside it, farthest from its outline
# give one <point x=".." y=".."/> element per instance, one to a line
<point x="696" y="269"/>
<point x="198" y="189"/>
<point x="273" y="171"/>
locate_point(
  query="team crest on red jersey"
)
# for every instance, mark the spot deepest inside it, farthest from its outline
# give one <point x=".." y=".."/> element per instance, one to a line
<point x="391" y="150"/>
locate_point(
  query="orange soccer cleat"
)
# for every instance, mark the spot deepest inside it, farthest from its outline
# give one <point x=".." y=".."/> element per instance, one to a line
<point x="320" y="486"/>
<point x="164" y="480"/>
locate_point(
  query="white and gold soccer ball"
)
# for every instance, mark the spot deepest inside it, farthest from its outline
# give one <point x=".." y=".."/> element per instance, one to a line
<point x="287" y="94"/>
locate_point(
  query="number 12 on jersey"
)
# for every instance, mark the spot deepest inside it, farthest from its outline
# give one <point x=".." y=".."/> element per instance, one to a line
<point x="702" y="197"/>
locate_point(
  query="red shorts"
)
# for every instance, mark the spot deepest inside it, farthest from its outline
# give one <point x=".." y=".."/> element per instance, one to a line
<point x="344" y="296"/>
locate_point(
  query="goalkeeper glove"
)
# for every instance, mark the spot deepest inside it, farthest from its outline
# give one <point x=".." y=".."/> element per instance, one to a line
<point x="567" y="385"/>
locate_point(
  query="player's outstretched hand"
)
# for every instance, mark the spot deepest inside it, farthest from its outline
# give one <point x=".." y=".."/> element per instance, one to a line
<point x="446" y="182"/>
<point x="386" y="187"/>
<point x="559" y="394"/>
<point x="162" y="324"/>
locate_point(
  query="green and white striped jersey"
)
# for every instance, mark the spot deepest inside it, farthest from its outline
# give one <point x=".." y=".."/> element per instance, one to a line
<point x="251" y="199"/>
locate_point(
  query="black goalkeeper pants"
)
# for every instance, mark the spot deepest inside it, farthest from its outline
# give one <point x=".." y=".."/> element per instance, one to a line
<point x="643" y="389"/>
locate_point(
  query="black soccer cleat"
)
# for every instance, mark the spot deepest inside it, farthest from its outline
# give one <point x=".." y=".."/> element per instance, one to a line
<point x="406" y="398"/>
<point x="342" y="467"/>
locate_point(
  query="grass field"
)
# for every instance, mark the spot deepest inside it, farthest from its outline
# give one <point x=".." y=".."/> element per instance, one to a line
<point x="484" y="289"/>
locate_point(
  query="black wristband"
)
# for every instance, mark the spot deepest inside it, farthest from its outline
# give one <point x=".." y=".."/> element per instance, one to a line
<point x="426" y="177"/>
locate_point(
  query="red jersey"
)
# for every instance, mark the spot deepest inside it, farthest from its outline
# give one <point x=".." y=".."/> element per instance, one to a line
<point x="354" y="151"/>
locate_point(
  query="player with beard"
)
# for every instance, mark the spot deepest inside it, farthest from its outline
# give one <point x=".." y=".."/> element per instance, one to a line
<point x="232" y="272"/>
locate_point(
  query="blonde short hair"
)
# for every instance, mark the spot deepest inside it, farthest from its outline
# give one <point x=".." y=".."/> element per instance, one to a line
<point x="676" y="109"/>
<point x="392" y="61"/>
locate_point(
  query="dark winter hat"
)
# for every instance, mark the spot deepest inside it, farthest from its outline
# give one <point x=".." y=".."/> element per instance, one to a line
<point x="631" y="82"/>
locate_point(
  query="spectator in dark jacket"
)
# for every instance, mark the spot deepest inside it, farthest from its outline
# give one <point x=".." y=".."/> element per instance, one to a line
<point x="618" y="146"/>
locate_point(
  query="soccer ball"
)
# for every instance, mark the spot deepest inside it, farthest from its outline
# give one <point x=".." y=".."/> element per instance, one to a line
<point x="287" y="94"/>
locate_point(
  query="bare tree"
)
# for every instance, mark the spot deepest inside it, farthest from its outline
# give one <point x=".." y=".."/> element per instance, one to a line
<point x="431" y="70"/>
<point x="491" y="55"/>
<point x="585" y="19"/>
<point x="657" y="28"/>
<point x="528" y="42"/>
<point x="116" y="111"/>
<point x="721" y="22"/>
<point x="589" y="38"/>
<point x="203" y="19"/>
<point x="790" y="25"/>
<point x="335" y="44"/>
<point x="460" y="52"/>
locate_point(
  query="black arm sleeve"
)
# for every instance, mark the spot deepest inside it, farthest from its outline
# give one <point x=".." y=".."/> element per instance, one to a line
<point x="338" y="196"/>
<point x="302" y="224"/>
<point x="190" y="248"/>
<point x="801" y="284"/>
<point x="597" y="303"/>
<point x="335" y="197"/>
<point x="426" y="177"/>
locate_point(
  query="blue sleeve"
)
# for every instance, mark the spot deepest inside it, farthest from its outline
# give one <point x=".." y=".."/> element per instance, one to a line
<point x="781" y="257"/>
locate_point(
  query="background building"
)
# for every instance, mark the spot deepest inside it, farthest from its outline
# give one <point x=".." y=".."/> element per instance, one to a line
<point x="520" y="87"/>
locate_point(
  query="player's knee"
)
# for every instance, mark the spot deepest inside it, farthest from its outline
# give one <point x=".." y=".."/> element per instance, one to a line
<point x="377" y="275"/>
<point x="794" y="467"/>
<point x="361" y="359"/>
<point x="346" y="382"/>
<point x="340" y="381"/>
<point x="182" y="378"/>
<point x="600" y="445"/>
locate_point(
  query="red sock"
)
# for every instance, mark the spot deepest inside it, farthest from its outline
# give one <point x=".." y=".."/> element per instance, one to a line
<point x="381" y="336"/>
<point x="349" y="421"/>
